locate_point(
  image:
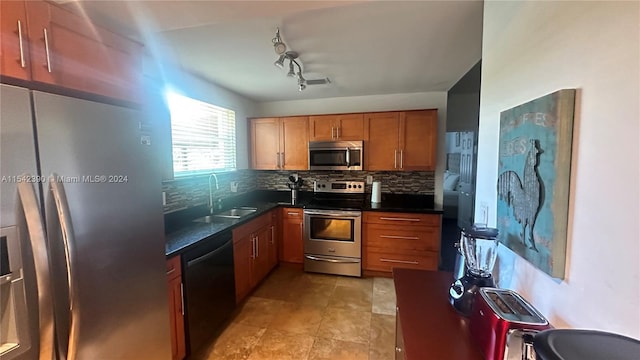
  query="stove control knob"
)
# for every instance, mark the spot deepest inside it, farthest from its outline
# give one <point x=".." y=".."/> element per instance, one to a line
<point x="359" y="186"/>
<point x="349" y="186"/>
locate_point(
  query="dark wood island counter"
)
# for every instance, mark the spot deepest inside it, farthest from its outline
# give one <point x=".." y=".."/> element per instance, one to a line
<point x="427" y="326"/>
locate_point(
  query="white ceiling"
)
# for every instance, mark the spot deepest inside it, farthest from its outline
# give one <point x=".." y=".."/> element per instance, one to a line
<point x="364" y="47"/>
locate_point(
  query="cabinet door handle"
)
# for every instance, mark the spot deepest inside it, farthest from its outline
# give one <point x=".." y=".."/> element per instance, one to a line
<point x="332" y="130"/>
<point x="399" y="237"/>
<point x="401" y="159"/>
<point x="337" y="132"/>
<point x="395" y="158"/>
<point x="255" y="243"/>
<point x="253" y="248"/>
<point x="182" y="299"/>
<point x="399" y="261"/>
<point x="173" y="269"/>
<point x="46" y="48"/>
<point x="22" y="62"/>
<point x="399" y="219"/>
<point x="282" y="161"/>
<point x="293" y="214"/>
<point x="278" y="160"/>
<point x="273" y="236"/>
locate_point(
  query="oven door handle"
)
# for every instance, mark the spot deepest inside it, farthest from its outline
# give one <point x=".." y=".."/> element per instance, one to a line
<point x="342" y="214"/>
<point x="340" y="261"/>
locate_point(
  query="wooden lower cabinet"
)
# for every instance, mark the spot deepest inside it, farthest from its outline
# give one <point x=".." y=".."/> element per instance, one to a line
<point x="242" y="259"/>
<point x="272" y="243"/>
<point x="176" y="308"/>
<point x="400" y="240"/>
<point x="291" y="246"/>
<point x="253" y="253"/>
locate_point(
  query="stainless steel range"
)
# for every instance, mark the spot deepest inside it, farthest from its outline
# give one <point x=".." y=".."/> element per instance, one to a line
<point x="332" y="228"/>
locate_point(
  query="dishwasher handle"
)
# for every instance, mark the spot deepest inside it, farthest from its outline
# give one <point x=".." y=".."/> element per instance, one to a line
<point x="209" y="254"/>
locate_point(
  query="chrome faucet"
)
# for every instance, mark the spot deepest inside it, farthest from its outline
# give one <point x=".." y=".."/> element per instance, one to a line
<point x="211" y="206"/>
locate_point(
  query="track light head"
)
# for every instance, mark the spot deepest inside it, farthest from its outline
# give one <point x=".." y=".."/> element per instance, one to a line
<point x="291" y="72"/>
<point x="302" y="87"/>
<point x="280" y="62"/>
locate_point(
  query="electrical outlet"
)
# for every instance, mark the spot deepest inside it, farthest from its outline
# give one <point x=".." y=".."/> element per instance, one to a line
<point x="164" y="198"/>
<point x="295" y="176"/>
<point x="369" y="179"/>
<point x="234" y="186"/>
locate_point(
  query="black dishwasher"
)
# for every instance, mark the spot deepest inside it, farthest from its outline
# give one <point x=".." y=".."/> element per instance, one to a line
<point x="210" y="289"/>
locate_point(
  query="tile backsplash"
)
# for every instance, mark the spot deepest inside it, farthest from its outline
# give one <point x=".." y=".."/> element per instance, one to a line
<point x="184" y="193"/>
<point x="417" y="182"/>
<point x="193" y="191"/>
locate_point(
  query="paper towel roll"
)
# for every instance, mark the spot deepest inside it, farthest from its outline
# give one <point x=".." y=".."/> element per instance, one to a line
<point x="376" y="192"/>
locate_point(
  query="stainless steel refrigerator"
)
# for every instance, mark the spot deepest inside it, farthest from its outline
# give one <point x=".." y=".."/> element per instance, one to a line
<point x="83" y="274"/>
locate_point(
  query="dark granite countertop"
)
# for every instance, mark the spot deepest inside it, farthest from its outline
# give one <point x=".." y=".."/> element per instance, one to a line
<point x="405" y="203"/>
<point x="183" y="237"/>
<point x="182" y="233"/>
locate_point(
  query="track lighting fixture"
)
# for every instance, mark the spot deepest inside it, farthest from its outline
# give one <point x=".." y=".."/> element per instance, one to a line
<point x="283" y="55"/>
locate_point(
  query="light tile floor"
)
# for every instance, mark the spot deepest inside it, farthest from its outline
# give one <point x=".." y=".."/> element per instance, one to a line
<point x="304" y="316"/>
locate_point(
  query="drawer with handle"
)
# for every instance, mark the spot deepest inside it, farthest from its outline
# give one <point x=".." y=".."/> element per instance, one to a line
<point x="402" y="219"/>
<point x="401" y="239"/>
<point x="383" y="261"/>
<point x="173" y="267"/>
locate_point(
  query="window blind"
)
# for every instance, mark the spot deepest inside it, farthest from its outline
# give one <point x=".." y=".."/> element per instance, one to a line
<point x="203" y="136"/>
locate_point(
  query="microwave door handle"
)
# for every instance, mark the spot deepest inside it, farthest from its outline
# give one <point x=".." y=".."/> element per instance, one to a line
<point x="348" y="158"/>
<point x="35" y="230"/>
<point x="63" y="215"/>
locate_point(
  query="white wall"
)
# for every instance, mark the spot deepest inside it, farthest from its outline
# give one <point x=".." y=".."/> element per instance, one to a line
<point x="534" y="48"/>
<point x="371" y="103"/>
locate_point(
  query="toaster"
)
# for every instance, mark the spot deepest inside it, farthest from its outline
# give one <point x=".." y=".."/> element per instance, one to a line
<point x="503" y="324"/>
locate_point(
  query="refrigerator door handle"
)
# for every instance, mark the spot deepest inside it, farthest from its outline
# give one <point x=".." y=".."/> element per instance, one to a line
<point x="35" y="230"/>
<point x="64" y="219"/>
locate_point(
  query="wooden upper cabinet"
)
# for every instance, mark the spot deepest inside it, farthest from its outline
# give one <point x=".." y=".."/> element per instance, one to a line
<point x="381" y="148"/>
<point x="14" y="44"/>
<point x="265" y="143"/>
<point x="336" y="127"/>
<point x="67" y="50"/>
<point x="294" y="143"/>
<point x="401" y="141"/>
<point x="418" y="140"/>
<point x="279" y="143"/>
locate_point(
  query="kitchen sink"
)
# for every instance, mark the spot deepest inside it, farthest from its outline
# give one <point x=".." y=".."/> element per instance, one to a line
<point x="234" y="213"/>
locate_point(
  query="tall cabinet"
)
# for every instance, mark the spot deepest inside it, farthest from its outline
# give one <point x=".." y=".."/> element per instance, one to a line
<point x="279" y="143"/>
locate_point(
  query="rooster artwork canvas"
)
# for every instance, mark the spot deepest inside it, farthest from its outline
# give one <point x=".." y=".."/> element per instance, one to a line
<point x="534" y="171"/>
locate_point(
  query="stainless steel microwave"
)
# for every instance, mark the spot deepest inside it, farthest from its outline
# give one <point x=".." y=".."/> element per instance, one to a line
<point x="336" y="155"/>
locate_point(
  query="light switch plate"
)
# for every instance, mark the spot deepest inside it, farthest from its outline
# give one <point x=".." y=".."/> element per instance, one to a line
<point x="164" y="198"/>
<point x="369" y="179"/>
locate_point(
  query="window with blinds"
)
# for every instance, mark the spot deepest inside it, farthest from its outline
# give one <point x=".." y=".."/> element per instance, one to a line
<point x="203" y="136"/>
